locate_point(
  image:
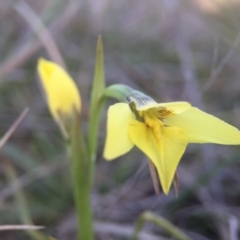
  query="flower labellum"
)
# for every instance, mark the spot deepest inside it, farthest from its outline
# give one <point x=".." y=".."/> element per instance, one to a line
<point x="162" y="131"/>
<point x="61" y="92"/>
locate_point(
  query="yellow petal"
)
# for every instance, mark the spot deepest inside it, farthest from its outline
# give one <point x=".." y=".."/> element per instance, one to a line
<point x="174" y="107"/>
<point x="165" y="154"/>
<point x="117" y="140"/>
<point x="204" y="128"/>
<point x="166" y="110"/>
<point x="61" y="91"/>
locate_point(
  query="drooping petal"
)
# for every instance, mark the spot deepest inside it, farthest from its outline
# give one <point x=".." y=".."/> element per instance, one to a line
<point x="202" y="127"/>
<point x="117" y="140"/>
<point x="164" y="154"/>
<point x="61" y="91"/>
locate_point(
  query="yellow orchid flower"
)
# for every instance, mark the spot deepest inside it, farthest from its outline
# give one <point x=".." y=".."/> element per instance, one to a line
<point x="61" y="92"/>
<point x="162" y="131"/>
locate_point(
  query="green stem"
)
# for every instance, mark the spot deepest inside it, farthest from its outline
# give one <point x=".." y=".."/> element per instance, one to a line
<point x="93" y="137"/>
<point x="166" y="225"/>
<point x="81" y="182"/>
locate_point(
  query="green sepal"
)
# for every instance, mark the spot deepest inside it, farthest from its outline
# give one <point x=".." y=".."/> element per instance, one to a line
<point x="118" y="91"/>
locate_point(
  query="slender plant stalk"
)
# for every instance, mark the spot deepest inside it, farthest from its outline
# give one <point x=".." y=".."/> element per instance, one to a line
<point x="81" y="182"/>
<point x="161" y="222"/>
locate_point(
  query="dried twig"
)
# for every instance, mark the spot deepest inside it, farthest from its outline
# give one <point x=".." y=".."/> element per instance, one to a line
<point x="222" y="64"/>
<point x="13" y="128"/>
<point x="20" y="227"/>
<point x="37" y="25"/>
<point x="155" y="178"/>
<point x="31" y="176"/>
<point x="26" y="51"/>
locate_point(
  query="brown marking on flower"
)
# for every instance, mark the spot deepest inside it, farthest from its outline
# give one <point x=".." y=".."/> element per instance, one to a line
<point x="164" y="112"/>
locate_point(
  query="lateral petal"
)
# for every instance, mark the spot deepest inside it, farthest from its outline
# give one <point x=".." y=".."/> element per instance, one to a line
<point x="202" y="127"/>
<point x="166" y="154"/>
<point x="117" y="140"/>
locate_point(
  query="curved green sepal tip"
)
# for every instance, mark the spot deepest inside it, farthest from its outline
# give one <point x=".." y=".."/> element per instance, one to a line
<point x="118" y="91"/>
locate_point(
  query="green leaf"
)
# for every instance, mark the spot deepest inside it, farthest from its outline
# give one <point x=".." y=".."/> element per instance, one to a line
<point x="148" y="216"/>
<point x="96" y="103"/>
<point x="99" y="78"/>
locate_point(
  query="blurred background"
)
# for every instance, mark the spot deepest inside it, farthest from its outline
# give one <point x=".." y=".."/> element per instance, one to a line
<point x="172" y="50"/>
